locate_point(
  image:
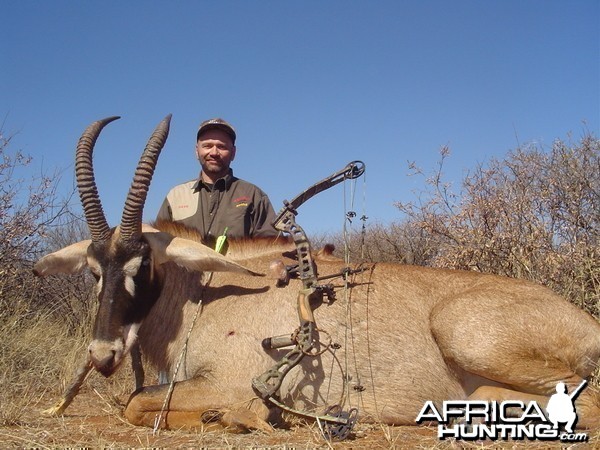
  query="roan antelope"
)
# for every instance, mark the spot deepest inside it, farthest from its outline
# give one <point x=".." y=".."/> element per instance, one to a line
<point x="406" y="335"/>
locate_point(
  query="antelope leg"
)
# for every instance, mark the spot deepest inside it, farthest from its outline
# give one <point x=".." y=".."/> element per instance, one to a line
<point x="137" y="366"/>
<point x="194" y="403"/>
<point x="72" y="390"/>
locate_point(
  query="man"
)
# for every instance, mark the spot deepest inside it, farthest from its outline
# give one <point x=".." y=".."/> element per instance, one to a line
<point x="218" y="201"/>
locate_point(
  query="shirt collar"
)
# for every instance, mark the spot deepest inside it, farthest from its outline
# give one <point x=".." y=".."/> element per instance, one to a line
<point x="222" y="183"/>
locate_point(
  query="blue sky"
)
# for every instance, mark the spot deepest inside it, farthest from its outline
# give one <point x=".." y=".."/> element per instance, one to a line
<point x="309" y="86"/>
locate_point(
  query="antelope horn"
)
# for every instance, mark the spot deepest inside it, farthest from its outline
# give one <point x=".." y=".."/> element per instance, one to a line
<point x="86" y="184"/>
<point x="131" y="221"/>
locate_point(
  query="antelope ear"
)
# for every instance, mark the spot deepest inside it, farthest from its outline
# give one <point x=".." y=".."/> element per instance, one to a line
<point x="69" y="260"/>
<point x="191" y="255"/>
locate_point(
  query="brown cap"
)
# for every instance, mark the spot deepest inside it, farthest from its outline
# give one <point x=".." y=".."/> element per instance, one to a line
<point x="216" y="124"/>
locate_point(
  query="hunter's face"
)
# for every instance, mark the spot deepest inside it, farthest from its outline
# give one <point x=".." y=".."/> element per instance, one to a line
<point x="215" y="151"/>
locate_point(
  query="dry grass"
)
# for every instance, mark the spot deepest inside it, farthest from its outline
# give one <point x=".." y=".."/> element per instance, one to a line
<point x="38" y="356"/>
<point x="94" y="422"/>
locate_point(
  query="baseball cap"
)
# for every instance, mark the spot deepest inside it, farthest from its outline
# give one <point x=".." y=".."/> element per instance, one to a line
<point x="216" y="124"/>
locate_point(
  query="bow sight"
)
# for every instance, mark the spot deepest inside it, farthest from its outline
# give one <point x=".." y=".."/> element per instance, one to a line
<point x="335" y="422"/>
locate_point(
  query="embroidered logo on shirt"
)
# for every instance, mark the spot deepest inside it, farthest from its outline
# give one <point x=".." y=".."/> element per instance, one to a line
<point x="241" y="202"/>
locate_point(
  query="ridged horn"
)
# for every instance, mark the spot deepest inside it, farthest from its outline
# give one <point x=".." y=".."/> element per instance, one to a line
<point x="86" y="183"/>
<point x="131" y="221"/>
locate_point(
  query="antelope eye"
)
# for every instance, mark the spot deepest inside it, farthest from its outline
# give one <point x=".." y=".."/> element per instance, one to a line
<point x="95" y="275"/>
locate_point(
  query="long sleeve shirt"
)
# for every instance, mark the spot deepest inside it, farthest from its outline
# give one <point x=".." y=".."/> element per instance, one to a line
<point x="230" y="203"/>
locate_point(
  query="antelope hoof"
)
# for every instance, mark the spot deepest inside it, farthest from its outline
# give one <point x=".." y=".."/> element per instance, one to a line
<point x="56" y="410"/>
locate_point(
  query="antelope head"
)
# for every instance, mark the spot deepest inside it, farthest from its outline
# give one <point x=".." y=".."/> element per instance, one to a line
<point x="124" y="259"/>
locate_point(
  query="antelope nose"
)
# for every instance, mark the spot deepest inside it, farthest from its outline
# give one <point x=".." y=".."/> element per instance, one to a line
<point x="103" y="357"/>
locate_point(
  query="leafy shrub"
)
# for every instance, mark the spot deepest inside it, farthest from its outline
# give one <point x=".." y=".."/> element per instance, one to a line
<point x="533" y="214"/>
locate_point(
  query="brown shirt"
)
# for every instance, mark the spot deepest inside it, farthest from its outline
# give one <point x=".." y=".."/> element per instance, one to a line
<point x="240" y="206"/>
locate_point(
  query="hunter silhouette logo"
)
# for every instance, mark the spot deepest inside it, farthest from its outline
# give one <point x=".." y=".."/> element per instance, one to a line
<point x="561" y="407"/>
<point x="510" y="419"/>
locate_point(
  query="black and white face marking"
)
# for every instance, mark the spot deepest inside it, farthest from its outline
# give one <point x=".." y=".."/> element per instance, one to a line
<point x="126" y="289"/>
<point x="96" y="271"/>
<point x="131" y="269"/>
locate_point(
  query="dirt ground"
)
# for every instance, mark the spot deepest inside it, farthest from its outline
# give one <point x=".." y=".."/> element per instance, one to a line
<point x="37" y="361"/>
<point x="94" y="420"/>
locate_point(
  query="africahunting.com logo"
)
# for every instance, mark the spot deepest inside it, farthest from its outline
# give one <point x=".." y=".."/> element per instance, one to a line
<point x="515" y="420"/>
